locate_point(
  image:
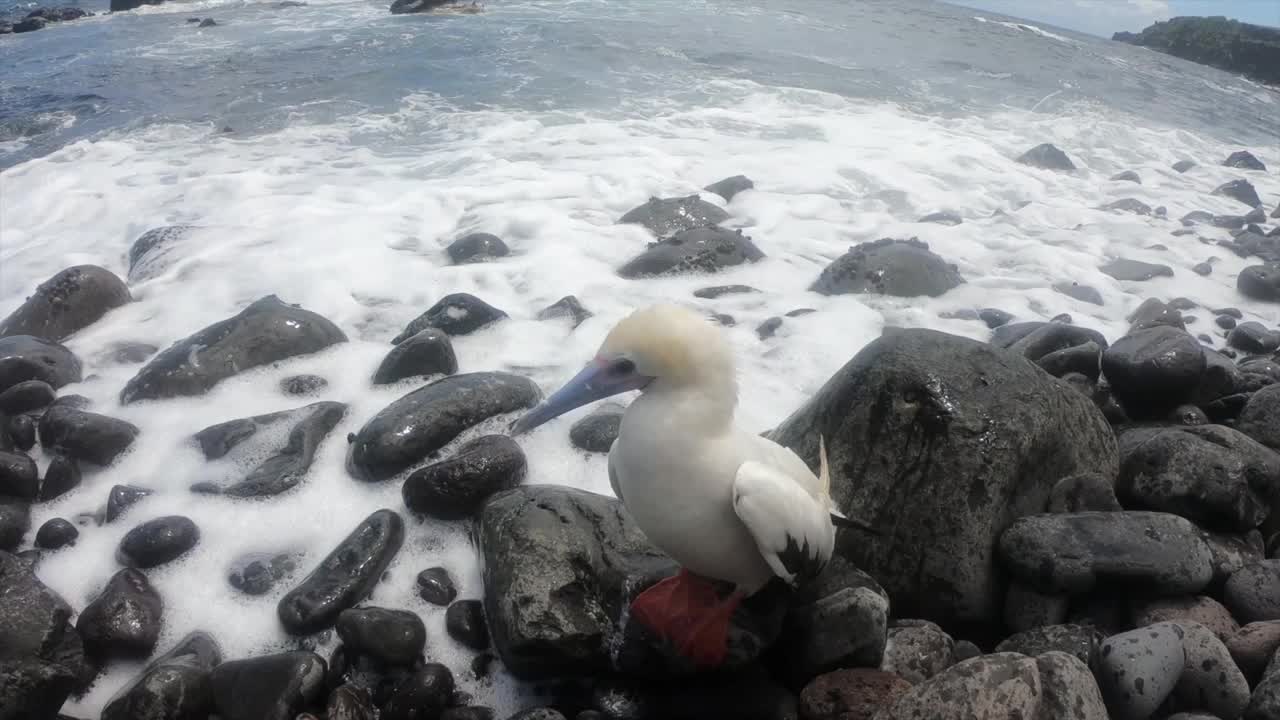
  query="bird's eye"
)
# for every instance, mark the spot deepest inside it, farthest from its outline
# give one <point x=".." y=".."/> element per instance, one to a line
<point x="623" y="367"/>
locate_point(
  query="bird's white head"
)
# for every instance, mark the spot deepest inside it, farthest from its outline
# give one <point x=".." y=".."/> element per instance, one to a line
<point x="663" y="348"/>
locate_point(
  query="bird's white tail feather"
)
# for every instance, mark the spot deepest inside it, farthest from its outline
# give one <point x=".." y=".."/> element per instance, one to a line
<point x="824" y="470"/>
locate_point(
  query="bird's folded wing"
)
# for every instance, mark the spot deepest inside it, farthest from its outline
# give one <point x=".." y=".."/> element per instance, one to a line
<point x="791" y="528"/>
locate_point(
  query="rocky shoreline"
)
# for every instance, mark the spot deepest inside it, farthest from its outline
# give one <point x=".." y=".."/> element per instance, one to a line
<point x="1230" y="45"/>
<point x="1060" y="525"/>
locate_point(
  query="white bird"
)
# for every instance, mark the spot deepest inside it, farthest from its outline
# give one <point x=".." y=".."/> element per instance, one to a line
<point x="724" y="503"/>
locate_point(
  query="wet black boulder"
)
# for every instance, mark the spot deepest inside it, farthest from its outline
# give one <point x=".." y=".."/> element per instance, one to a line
<point x="56" y="533"/>
<point x="23" y="358"/>
<point x="695" y="250"/>
<point x="477" y="247"/>
<point x="453" y="314"/>
<point x="568" y="306"/>
<point x="428" y="352"/>
<point x="464" y="621"/>
<point x="1210" y="474"/>
<point x="1260" y="282"/>
<point x="1241" y="190"/>
<point x="667" y="216"/>
<point x="1253" y="337"/>
<point x="267" y="331"/>
<point x="908" y="424"/>
<point x="30" y="687"/>
<point x="257" y="573"/>
<point x="15" y="521"/>
<point x="436" y="587"/>
<point x="123" y="622"/>
<point x="1245" y="160"/>
<point x="1154" y="370"/>
<point x="158" y="541"/>
<point x="597" y="430"/>
<point x="158" y="249"/>
<point x="1260" y="418"/>
<point x="730" y="186"/>
<point x="903" y="268"/>
<point x="268" y="687"/>
<point x="455" y="488"/>
<point x="1081" y="492"/>
<point x="403" y="7"/>
<point x="86" y="436"/>
<point x="421" y="423"/>
<point x="303" y="384"/>
<point x="1047" y="157"/>
<point x="345" y="577"/>
<point x="423" y="694"/>
<point x="1129" y="270"/>
<point x="394" y="637"/>
<point x="26" y="396"/>
<point x="1083" y="293"/>
<point x="175" y="686"/>
<point x="67" y="303"/>
<point x="1072" y="553"/>
<point x="20" y="430"/>
<point x="121" y="498"/>
<point x="285" y="467"/>
<point x="19" y="476"/>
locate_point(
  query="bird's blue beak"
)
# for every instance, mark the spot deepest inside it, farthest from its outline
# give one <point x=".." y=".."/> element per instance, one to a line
<point x="598" y="380"/>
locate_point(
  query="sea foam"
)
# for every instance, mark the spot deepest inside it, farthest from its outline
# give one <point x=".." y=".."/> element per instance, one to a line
<point x="350" y="219"/>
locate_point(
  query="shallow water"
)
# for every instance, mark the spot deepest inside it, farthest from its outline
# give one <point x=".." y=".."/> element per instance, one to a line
<point x="334" y="150"/>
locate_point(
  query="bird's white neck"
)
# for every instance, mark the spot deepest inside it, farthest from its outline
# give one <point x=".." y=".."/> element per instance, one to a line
<point x="689" y="410"/>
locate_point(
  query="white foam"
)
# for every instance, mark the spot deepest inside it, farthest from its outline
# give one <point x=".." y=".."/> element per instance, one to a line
<point x="1025" y="27"/>
<point x="351" y="220"/>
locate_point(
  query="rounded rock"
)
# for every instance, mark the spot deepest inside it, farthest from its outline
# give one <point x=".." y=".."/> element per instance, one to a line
<point x="19" y="476"/>
<point x="62" y="476"/>
<point x="1154" y="370"/>
<point x="1199" y="609"/>
<point x="23" y="358"/>
<point x="67" y="303"/>
<point x="1253" y="592"/>
<point x="303" y="384"/>
<point x="56" y="533"/>
<point x="477" y="247"/>
<point x="455" y="488"/>
<point x="26" y="396"/>
<point x="158" y="541"/>
<point x="1260" y="282"/>
<point x="465" y="623"/>
<point x="1138" y="669"/>
<point x="395" y="637"/>
<point x="22" y="431"/>
<point x="854" y="694"/>
<point x="425" y="693"/>
<point x="597" y="431"/>
<point x="429" y="352"/>
<point x="436" y="587"/>
<point x="124" y="620"/>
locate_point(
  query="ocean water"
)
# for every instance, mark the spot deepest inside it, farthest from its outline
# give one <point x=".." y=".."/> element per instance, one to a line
<point x="332" y="151"/>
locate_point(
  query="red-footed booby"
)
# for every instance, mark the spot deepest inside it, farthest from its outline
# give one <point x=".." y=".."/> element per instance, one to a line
<point x="724" y="503"/>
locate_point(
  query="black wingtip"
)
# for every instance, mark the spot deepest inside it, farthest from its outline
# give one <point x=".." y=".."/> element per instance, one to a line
<point x="844" y="522"/>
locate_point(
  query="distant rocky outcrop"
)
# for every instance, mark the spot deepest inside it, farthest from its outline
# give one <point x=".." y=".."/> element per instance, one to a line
<point x="1251" y="50"/>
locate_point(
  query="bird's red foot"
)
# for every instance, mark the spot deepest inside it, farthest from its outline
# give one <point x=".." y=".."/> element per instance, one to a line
<point x="666" y="604"/>
<point x="705" y="640"/>
<point x="687" y="611"/>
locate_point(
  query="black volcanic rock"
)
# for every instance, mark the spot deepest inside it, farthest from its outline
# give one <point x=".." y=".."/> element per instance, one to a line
<point x="23" y="358"/>
<point x="1241" y="190"/>
<point x="904" y="268"/>
<point x="1048" y="157"/>
<point x="429" y="352"/>
<point x="421" y="423"/>
<point x="455" y="488"/>
<point x="124" y="620"/>
<point x="66" y="303"/>
<point x="476" y="247"/>
<point x="345" y="577"/>
<point x="85" y="436"/>
<point x="158" y="541"/>
<point x="696" y="250"/>
<point x="267" y="331"/>
<point x="667" y="216"/>
<point x="453" y="314"/>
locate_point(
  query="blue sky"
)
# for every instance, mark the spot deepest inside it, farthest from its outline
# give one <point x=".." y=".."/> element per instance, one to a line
<point x="1104" y="17"/>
